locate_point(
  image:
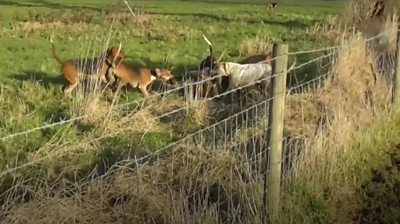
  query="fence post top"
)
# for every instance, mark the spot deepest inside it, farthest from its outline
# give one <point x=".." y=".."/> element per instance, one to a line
<point x="280" y="49"/>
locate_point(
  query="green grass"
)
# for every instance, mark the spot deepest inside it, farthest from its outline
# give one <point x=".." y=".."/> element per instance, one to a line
<point x="166" y="33"/>
<point x="170" y="34"/>
<point x="335" y="186"/>
<point x="226" y="25"/>
<point x="364" y="190"/>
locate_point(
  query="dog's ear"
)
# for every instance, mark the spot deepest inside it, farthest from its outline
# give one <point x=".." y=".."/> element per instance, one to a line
<point x="119" y="49"/>
<point x="109" y="62"/>
<point x="158" y="71"/>
<point x="268" y="57"/>
<point x="109" y="52"/>
<point x="220" y="58"/>
<point x="222" y="65"/>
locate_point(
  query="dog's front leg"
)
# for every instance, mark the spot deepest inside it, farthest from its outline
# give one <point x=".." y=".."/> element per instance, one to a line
<point x="119" y="87"/>
<point x="110" y="76"/>
<point x="144" y="91"/>
<point x="103" y="79"/>
<point x="214" y="90"/>
<point x="231" y="85"/>
<point x="69" y="89"/>
<point x="102" y="74"/>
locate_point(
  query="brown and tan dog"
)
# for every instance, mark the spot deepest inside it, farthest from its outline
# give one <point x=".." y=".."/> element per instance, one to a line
<point x="271" y="6"/>
<point x="140" y="78"/>
<point x="99" y="66"/>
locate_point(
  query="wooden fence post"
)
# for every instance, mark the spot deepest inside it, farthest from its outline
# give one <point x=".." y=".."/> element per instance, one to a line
<point x="272" y="182"/>
<point x="396" y="86"/>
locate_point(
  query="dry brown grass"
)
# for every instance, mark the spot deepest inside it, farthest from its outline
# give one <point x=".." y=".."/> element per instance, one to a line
<point x="165" y="104"/>
<point x="355" y="98"/>
<point x="360" y="10"/>
<point x="254" y="46"/>
<point x="111" y="119"/>
<point x="196" y="186"/>
<point x="358" y="14"/>
<point x="199" y="112"/>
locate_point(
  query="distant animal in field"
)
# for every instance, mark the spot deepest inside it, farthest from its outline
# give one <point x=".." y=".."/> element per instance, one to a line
<point x="74" y="70"/>
<point x="379" y="8"/>
<point x="256" y="58"/>
<point x="271" y="6"/>
<point x="140" y="78"/>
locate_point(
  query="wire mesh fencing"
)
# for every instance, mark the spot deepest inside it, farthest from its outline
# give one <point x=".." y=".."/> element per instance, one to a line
<point x="218" y="168"/>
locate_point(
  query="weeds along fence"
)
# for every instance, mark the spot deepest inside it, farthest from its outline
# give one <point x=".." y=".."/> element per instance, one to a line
<point x="230" y="170"/>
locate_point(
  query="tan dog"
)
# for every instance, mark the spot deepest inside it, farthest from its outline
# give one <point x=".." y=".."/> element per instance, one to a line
<point x="139" y="78"/>
<point x="271" y="6"/>
<point x="98" y="66"/>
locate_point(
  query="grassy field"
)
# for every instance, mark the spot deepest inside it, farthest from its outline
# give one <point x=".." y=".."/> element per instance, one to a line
<point x="76" y="157"/>
<point x="165" y="34"/>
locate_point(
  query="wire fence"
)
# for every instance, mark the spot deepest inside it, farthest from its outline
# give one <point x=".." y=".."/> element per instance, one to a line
<point x="315" y="82"/>
<point x="183" y="87"/>
<point x="334" y="49"/>
<point x="197" y="83"/>
<point x="240" y="140"/>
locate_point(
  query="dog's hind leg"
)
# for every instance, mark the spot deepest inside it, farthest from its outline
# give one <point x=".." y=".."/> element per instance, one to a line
<point x="69" y="89"/>
<point x="119" y="87"/>
<point x="144" y="91"/>
<point x="110" y="75"/>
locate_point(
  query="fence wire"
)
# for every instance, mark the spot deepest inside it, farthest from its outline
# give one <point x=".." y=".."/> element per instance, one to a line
<point x="208" y="134"/>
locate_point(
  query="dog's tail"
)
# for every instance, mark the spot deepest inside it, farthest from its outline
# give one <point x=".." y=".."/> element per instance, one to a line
<point x="53" y="48"/>
<point x="209" y="44"/>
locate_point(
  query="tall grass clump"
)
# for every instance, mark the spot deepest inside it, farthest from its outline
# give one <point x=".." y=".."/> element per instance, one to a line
<point x="358" y="10"/>
<point x="354" y="128"/>
<point x="254" y="46"/>
<point x="197" y="185"/>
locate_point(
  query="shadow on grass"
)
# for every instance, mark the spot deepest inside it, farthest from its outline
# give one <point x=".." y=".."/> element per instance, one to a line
<point x="237" y="2"/>
<point x="289" y="24"/>
<point x="327" y="4"/>
<point x="42" y="78"/>
<point x="196" y="15"/>
<point x="46" y="4"/>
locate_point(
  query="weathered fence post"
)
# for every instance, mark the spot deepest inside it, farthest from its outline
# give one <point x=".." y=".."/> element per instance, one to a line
<point x="396" y="86"/>
<point x="272" y="180"/>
